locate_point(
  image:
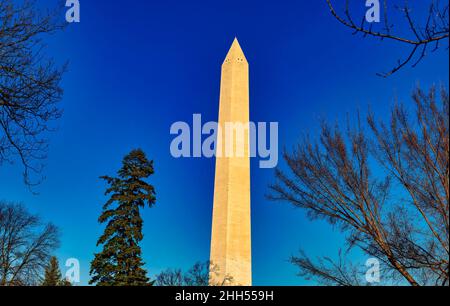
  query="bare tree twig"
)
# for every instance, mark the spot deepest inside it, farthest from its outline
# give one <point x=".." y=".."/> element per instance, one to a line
<point x="29" y="86"/>
<point x="347" y="178"/>
<point x="25" y="245"/>
<point x="434" y="30"/>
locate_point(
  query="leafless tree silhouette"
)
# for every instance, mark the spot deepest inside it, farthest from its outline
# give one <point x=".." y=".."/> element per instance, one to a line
<point x="328" y="272"/>
<point x="29" y="86"/>
<point x="25" y="246"/>
<point x="197" y="275"/>
<point x="424" y="36"/>
<point x="387" y="188"/>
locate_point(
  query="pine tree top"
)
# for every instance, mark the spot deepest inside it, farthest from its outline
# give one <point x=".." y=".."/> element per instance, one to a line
<point x="52" y="276"/>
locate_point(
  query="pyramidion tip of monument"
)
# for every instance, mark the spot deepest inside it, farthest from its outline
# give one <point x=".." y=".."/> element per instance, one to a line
<point x="235" y="54"/>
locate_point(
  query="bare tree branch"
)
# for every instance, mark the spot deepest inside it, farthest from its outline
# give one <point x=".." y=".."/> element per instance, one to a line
<point x="433" y="30"/>
<point x="328" y="272"/>
<point x="197" y="275"/>
<point x="29" y="86"/>
<point x="388" y="189"/>
<point x="25" y="245"/>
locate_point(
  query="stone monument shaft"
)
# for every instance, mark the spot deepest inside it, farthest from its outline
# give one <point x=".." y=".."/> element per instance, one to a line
<point x="231" y="229"/>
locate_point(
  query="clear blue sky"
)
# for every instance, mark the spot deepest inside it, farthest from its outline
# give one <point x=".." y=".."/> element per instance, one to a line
<point x="138" y="66"/>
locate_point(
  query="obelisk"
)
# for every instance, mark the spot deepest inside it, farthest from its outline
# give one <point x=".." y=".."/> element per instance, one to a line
<point x="231" y="230"/>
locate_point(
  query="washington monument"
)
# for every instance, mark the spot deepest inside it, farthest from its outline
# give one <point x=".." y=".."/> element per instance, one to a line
<point x="231" y="229"/>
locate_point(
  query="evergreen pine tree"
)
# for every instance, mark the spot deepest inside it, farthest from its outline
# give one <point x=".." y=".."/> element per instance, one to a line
<point x="52" y="274"/>
<point x="120" y="263"/>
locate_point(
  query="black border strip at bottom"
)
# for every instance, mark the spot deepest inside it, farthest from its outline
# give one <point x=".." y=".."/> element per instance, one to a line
<point x="131" y="296"/>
